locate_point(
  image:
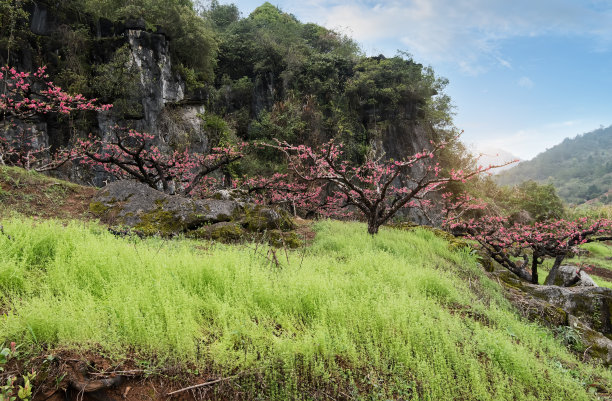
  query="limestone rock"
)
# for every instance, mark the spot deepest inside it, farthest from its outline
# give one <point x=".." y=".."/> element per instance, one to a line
<point x="150" y="211"/>
<point x="596" y="345"/>
<point x="567" y="276"/>
<point x="260" y="218"/>
<point x="224" y="232"/>
<point x="586" y="280"/>
<point x="592" y="305"/>
<point x="585" y="310"/>
<point x="563" y="276"/>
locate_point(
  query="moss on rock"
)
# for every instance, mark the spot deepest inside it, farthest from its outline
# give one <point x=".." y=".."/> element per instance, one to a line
<point x="283" y="239"/>
<point x="260" y="218"/>
<point x="98" y="208"/>
<point x="159" y="221"/>
<point x="223" y="232"/>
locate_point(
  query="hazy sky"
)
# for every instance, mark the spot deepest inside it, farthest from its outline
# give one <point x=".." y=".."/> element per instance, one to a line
<point x="523" y="74"/>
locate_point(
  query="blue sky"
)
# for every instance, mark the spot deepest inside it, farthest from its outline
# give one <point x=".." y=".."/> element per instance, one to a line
<point x="523" y="75"/>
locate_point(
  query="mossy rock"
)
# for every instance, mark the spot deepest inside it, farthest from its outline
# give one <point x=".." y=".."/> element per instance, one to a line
<point x="99" y="208"/>
<point x="259" y="218"/>
<point x="225" y="232"/>
<point x="153" y="212"/>
<point x="159" y="222"/>
<point x="284" y="239"/>
<point x="486" y="261"/>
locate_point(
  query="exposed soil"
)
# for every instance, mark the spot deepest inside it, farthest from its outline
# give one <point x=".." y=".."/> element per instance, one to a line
<point x="38" y="195"/>
<point x="304" y="230"/>
<point x="599" y="272"/>
<point x="69" y="375"/>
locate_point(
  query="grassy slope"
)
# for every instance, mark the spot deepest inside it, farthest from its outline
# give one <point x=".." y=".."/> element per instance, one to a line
<point x="399" y="315"/>
<point x="35" y="194"/>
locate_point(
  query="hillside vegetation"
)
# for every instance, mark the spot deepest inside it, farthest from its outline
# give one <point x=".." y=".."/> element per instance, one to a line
<point x="399" y="315"/>
<point x="263" y="76"/>
<point x="579" y="168"/>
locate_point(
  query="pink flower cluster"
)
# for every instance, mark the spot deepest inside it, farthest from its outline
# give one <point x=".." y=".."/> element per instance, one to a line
<point x="133" y="154"/>
<point x="376" y="189"/>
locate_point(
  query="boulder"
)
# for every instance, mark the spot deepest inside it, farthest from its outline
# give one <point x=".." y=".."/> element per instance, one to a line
<point x="563" y="276"/>
<point x="261" y="218"/>
<point x="224" y="232"/>
<point x="596" y="345"/>
<point x="583" y="310"/>
<point x="567" y="276"/>
<point x="150" y="211"/>
<point x="586" y="280"/>
<point x="591" y="305"/>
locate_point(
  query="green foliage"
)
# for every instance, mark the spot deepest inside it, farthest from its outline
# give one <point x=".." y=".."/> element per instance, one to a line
<point x="279" y="78"/>
<point x="579" y="168"/>
<point x="118" y="81"/>
<point x="398" y="315"/>
<point x="192" y="43"/>
<point x="540" y="200"/>
<point x="13" y="27"/>
<point x="222" y="15"/>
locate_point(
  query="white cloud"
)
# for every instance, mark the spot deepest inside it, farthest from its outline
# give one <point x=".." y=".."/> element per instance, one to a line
<point x="465" y="32"/>
<point x="525" y="82"/>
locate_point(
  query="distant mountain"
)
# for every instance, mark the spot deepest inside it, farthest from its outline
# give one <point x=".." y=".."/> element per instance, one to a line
<point x="580" y="168"/>
<point x="493" y="156"/>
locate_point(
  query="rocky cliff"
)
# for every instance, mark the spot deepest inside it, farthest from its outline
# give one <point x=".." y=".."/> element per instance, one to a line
<point x="164" y="109"/>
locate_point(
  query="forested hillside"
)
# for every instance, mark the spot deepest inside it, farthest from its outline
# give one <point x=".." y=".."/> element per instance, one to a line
<point x="580" y="168"/>
<point x="198" y="77"/>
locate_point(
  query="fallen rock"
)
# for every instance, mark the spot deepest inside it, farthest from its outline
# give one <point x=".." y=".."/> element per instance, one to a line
<point x="585" y="310"/>
<point x="567" y="276"/>
<point x="586" y="280"/>
<point x="596" y="345"/>
<point x="260" y="218"/>
<point x="224" y="232"/>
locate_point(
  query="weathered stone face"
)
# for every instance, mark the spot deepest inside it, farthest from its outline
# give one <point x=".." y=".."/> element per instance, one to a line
<point x="563" y="276"/>
<point x="566" y="276"/>
<point x="584" y="309"/>
<point x="151" y="212"/>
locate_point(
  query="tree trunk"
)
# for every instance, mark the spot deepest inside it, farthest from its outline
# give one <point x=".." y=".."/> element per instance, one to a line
<point x="553" y="270"/>
<point x="373" y="224"/>
<point x="558" y="260"/>
<point x="534" y="269"/>
<point x="372" y="228"/>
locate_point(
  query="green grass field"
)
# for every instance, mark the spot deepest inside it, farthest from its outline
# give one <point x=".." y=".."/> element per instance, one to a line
<point x="395" y="316"/>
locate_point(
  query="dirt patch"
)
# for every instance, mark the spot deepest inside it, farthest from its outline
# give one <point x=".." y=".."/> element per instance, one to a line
<point x="67" y="375"/>
<point x="37" y="195"/>
<point x="599" y="272"/>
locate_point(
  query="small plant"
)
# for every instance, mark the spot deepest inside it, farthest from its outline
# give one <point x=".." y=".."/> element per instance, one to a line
<point x="569" y="337"/>
<point x="8" y="392"/>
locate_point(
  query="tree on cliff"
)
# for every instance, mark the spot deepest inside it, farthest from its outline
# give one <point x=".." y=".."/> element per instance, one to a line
<point x="24" y="96"/>
<point x="132" y="154"/>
